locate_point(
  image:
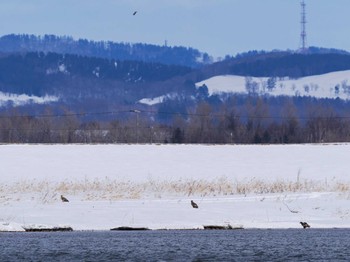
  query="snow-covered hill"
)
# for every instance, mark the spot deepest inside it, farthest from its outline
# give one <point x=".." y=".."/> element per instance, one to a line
<point x="331" y="85"/>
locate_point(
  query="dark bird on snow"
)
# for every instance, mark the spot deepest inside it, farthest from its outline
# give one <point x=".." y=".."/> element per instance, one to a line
<point x="134" y="13"/>
<point x="194" y="205"/>
<point x="64" y="199"/>
<point x="305" y="225"/>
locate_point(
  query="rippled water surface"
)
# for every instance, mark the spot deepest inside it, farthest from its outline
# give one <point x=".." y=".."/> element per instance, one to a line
<point x="191" y="245"/>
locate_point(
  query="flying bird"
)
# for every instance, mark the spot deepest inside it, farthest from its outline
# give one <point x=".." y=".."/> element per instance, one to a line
<point x="305" y="225"/>
<point x="134" y="13"/>
<point x="194" y="205"/>
<point x="64" y="199"/>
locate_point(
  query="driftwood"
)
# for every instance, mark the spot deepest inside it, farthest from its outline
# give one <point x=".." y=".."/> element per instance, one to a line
<point x="290" y="210"/>
<point x="129" y="228"/>
<point x="53" y="229"/>
<point x="215" y="227"/>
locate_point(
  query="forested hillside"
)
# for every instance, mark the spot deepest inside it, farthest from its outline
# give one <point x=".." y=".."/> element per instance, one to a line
<point x="177" y="55"/>
<point x="55" y="74"/>
<point x="280" y="64"/>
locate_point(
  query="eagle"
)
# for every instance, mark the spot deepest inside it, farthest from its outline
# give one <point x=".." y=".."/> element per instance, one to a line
<point x="134" y="13"/>
<point x="64" y="199"/>
<point x="194" y="205"/>
<point x="305" y="225"/>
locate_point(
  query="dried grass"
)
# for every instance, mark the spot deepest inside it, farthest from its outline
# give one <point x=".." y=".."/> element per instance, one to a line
<point x="108" y="189"/>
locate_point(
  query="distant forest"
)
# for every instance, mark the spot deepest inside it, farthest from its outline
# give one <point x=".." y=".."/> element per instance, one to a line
<point x="168" y="55"/>
<point x="56" y="74"/>
<point x="280" y="64"/>
<point x="240" y="120"/>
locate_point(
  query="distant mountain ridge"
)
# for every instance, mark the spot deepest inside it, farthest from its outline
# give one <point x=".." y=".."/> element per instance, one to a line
<point x="148" y="53"/>
<point x="122" y="82"/>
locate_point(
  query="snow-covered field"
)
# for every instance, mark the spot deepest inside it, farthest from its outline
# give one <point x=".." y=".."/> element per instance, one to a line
<point x="331" y="85"/>
<point x="271" y="186"/>
<point x="23" y="99"/>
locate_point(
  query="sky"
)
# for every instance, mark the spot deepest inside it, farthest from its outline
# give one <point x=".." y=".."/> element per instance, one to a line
<point x="218" y="27"/>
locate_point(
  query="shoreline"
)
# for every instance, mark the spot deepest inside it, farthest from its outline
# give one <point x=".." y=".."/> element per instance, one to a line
<point x="184" y="229"/>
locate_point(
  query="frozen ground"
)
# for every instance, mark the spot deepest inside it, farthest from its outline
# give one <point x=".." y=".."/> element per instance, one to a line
<point x="272" y="186"/>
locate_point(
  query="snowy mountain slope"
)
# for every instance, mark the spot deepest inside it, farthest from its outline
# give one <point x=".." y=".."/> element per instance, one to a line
<point x="331" y="85"/>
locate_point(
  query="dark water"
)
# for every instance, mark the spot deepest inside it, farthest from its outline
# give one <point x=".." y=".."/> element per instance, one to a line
<point x="192" y="245"/>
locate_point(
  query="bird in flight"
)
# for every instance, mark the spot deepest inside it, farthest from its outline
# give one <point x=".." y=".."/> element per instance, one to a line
<point x="134" y="13"/>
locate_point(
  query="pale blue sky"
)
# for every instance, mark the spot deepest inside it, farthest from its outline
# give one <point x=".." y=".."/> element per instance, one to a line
<point x="218" y="27"/>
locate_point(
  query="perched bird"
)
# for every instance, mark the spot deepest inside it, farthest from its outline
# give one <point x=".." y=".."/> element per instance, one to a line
<point x="305" y="225"/>
<point x="64" y="199"/>
<point x="134" y="13"/>
<point x="194" y="205"/>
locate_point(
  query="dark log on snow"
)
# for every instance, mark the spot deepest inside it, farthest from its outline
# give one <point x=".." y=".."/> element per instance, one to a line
<point x="53" y="229"/>
<point x="216" y="227"/>
<point x="129" y="228"/>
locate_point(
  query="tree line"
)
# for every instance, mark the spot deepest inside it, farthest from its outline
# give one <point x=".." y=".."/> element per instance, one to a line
<point x="252" y="123"/>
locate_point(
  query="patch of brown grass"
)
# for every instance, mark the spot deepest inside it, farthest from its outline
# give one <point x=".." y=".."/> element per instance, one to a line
<point x="108" y="189"/>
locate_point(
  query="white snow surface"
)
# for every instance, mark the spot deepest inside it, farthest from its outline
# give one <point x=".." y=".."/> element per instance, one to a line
<point x="157" y="100"/>
<point x="25" y="99"/>
<point x="330" y="85"/>
<point x="254" y="186"/>
<point x="152" y="101"/>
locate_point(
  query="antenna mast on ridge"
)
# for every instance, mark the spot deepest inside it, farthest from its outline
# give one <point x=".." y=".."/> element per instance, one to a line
<point x="303" y="27"/>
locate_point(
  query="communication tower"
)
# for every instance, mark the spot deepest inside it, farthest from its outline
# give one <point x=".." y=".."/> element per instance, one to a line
<point x="303" y="27"/>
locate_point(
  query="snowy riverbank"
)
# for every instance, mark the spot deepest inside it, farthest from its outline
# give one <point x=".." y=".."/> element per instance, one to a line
<point x="108" y="186"/>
